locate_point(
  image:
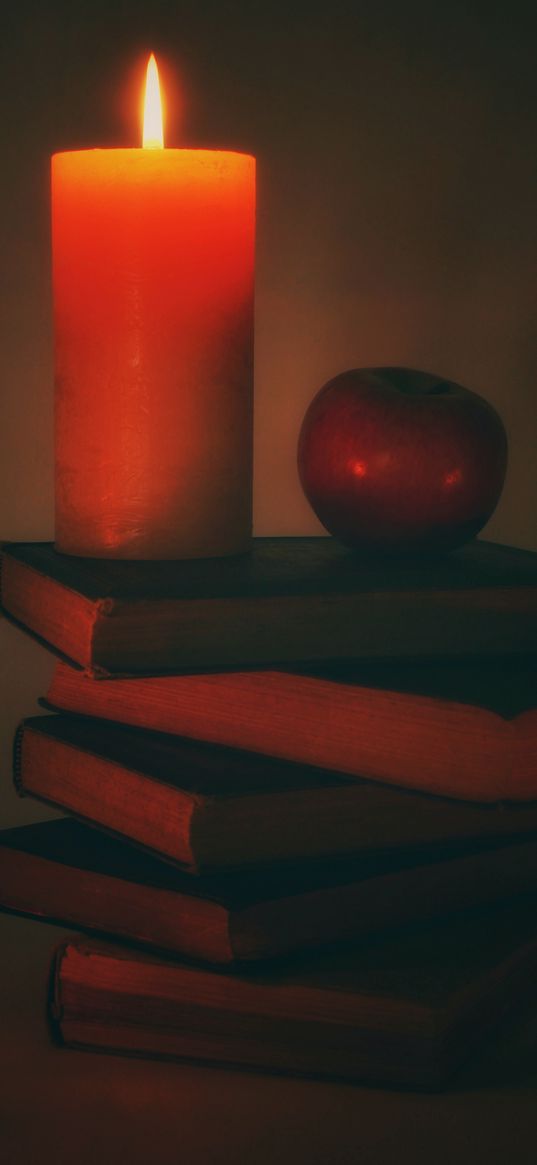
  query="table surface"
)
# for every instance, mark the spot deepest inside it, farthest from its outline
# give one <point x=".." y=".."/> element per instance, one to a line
<point x="67" y="1106"/>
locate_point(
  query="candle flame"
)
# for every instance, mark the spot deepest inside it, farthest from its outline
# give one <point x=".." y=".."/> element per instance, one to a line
<point x="153" y="135"/>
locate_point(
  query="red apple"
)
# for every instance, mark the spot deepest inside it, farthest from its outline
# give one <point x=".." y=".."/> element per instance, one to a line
<point x="397" y="460"/>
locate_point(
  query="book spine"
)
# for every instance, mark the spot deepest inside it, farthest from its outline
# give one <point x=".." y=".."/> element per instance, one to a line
<point x="102" y="610"/>
<point x="17" y="760"/>
<point x="54" y="993"/>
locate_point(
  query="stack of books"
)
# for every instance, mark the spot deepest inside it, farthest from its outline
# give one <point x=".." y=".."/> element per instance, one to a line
<point x="302" y="794"/>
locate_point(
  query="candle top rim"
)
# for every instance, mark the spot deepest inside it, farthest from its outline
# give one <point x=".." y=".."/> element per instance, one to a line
<point x="166" y="150"/>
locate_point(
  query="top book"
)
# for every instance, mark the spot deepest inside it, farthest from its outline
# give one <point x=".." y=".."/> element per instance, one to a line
<point x="289" y="600"/>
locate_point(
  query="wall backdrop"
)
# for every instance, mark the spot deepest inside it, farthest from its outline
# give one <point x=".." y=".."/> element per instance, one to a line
<point x="397" y="187"/>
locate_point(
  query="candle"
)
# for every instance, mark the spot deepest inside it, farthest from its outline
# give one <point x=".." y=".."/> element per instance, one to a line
<point x="153" y="267"/>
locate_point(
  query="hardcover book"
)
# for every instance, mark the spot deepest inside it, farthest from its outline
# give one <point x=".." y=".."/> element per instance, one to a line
<point x="459" y="728"/>
<point x="289" y="600"/>
<point x="407" y="1011"/>
<point x="64" y="871"/>
<point x="206" y="807"/>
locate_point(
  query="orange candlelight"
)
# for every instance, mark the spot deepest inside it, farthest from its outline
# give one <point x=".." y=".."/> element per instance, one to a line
<point x="153" y="270"/>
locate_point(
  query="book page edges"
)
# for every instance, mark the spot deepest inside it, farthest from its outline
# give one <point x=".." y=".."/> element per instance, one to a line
<point x="165" y="920"/>
<point x="59" y="766"/>
<point x="416" y="742"/>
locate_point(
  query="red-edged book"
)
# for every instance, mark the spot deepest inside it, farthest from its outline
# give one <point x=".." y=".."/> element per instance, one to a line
<point x="289" y="600"/>
<point x="67" y="872"/>
<point x="459" y="728"/>
<point x="209" y="808"/>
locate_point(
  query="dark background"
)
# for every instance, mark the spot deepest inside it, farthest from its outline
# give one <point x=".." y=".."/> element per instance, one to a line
<point x="397" y="195"/>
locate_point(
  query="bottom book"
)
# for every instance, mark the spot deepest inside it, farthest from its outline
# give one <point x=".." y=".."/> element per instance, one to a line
<point x="406" y="1011"/>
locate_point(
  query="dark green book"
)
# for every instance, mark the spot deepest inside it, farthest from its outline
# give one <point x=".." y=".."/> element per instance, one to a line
<point x="289" y="600"/>
<point x="65" y="871"/>
<point x="212" y="808"/>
